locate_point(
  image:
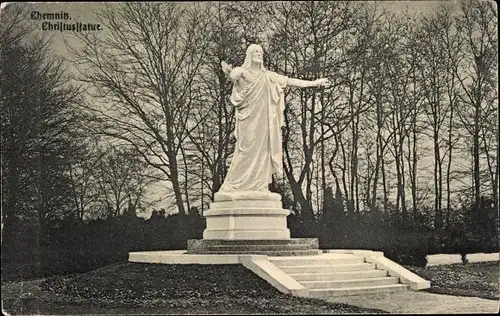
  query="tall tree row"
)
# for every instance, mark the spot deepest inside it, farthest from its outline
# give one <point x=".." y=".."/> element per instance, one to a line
<point x="409" y="120"/>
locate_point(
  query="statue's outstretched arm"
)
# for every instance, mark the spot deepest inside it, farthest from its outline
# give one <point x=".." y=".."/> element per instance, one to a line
<point x="297" y="83"/>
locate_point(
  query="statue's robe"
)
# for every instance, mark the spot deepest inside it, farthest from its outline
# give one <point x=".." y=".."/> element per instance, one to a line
<point x="259" y="104"/>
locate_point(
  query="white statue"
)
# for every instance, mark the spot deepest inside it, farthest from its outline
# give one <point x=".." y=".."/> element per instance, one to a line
<point x="258" y="97"/>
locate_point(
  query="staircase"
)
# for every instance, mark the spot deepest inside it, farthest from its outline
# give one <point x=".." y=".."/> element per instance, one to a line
<point x="338" y="275"/>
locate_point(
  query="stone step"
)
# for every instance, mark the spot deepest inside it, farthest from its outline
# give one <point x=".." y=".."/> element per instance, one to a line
<point x="357" y="290"/>
<point x="350" y="283"/>
<point x="285" y="253"/>
<point x="327" y="268"/>
<point x="349" y="275"/>
<point x="261" y="247"/>
<point x="316" y="261"/>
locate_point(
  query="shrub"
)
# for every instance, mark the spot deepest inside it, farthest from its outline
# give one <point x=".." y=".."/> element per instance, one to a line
<point x="71" y="246"/>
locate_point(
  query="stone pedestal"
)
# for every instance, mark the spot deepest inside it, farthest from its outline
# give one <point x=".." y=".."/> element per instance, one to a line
<point x="246" y="216"/>
<point x="247" y="223"/>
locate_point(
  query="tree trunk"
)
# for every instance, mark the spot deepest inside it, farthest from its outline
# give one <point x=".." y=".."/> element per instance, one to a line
<point x="448" y="168"/>
<point x="398" y="173"/>
<point x="437" y="180"/>
<point x="354" y="185"/>
<point x="404" y="210"/>
<point x="178" y="194"/>
<point x="186" y="182"/>
<point x="174" y="178"/>
<point x="477" y="174"/>
<point x="323" y="165"/>
<point x="310" y="152"/>
<point x="306" y="210"/>
<point x="348" y="197"/>
<point x="414" y="170"/>
<point x="309" y="180"/>
<point x="220" y="164"/>
<point x="379" y="155"/>
<point x="384" y="185"/>
<point x="202" y="185"/>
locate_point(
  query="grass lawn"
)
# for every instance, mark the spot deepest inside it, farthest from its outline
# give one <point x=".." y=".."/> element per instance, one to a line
<point x="134" y="288"/>
<point x="479" y="279"/>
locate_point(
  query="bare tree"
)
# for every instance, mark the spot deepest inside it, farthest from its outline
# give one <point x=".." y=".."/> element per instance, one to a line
<point x="122" y="179"/>
<point x="399" y="71"/>
<point x="84" y="186"/>
<point x="475" y="69"/>
<point x="304" y="44"/>
<point x="359" y="99"/>
<point x="434" y="81"/>
<point x="141" y="75"/>
<point x="37" y="120"/>
<point x="378" y="87"/>
<point x="212" y="140"/>
<point x="415" y="103"/>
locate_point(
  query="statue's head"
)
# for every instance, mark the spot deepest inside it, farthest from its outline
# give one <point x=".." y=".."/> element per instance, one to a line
<point x="255" y="54"/>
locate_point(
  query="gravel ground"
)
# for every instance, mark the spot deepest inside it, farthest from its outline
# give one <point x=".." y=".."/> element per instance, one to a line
<point x="471" y="288"/>
<point x="421" y="303"/>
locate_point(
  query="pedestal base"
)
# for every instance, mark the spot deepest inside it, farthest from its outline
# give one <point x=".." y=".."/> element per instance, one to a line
<point x="246" y="220"/>
<point x="269" y="247"/>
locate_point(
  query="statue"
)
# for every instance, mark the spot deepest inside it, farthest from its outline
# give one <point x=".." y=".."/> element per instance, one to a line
<point x="258" y="96"/>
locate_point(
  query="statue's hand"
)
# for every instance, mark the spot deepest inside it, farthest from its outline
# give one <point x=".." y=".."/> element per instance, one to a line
<point x="324" y="82"/>
<point x="226" y="68"/>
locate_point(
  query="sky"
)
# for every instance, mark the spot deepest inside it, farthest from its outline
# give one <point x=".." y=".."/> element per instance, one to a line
<point x="85" y="12"/>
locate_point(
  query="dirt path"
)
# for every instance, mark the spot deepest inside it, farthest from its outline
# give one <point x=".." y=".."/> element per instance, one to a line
<point x="421" y="303"/>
